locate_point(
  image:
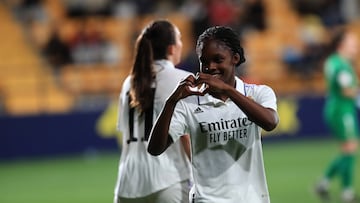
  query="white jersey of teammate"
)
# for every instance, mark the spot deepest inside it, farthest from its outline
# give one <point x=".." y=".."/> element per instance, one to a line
<point x="140" y="173"/>
<point x="226" y="146"/>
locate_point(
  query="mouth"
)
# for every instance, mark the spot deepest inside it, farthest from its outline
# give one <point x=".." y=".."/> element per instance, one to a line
<point x="216" y="75"/>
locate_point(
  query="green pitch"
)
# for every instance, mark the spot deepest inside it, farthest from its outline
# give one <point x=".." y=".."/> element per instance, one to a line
<point x="291" y="167"/>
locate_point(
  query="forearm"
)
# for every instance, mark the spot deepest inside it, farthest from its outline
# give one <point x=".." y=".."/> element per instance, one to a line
<point x="159" y="136"/>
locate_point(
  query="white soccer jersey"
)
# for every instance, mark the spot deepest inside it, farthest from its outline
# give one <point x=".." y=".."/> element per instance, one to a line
<point x="140" y="173"/>
<point x="226" y="146"/>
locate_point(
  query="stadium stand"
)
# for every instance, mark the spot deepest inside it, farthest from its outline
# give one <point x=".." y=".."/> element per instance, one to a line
<point x="29" y="86"/>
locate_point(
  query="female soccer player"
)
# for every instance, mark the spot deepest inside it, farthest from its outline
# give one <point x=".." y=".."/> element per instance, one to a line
<point x="341" y="113"/>
<point x="144" y="178"/>
<point x="224" y="119"/>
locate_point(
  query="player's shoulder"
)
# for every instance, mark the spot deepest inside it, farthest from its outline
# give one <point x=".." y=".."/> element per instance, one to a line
<point x="182" y="73"/>
<point x="258" y="91"/>
<point x="126" y="83"/>
<point x="172" y="74"/>
<point x="253" y="87"/>
<point x="333" y="61"/>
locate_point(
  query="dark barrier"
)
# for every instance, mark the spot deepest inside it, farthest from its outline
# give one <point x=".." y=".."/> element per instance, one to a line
<point x="75" y="133"/>
<point x="51" y="135"/>
<point x="300" y="117"/>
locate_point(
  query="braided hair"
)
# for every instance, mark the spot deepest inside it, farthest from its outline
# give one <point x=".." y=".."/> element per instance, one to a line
<point x="225" y="35"/>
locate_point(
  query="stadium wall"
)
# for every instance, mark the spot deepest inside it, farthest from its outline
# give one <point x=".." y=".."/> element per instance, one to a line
<point x="46" y="135"/>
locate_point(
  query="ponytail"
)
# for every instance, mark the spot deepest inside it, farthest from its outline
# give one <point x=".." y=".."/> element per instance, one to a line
<point x="151" y="45"/>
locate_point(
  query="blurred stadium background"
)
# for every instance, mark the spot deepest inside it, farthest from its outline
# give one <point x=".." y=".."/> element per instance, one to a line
<point x="62" y="63"/>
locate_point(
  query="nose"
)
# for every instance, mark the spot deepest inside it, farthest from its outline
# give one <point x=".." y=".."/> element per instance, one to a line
<point x="207" y="68"/>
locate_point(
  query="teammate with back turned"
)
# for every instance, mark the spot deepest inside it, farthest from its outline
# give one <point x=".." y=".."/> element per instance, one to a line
<point x="143" y="178"/>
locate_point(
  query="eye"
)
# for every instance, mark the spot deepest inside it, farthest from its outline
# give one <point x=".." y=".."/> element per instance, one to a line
<point x="218" y="59"/>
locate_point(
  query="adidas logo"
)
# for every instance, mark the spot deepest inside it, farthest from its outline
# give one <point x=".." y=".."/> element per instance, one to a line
<point x="198" y="110"/>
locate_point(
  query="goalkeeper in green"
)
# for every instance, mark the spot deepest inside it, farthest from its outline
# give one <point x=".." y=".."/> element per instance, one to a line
<point x="341" y="113"/>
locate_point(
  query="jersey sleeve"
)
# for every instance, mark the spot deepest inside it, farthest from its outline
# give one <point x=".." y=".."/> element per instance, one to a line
<point x="265" y="96"/>
<point x="177" y="126"/>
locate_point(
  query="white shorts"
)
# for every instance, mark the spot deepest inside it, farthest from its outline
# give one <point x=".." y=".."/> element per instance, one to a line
<point x="177" y="193"/>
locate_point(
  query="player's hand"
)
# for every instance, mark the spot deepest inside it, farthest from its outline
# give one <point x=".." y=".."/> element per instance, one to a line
<point x="213" y="84"/>
<point x="188" y="86"/>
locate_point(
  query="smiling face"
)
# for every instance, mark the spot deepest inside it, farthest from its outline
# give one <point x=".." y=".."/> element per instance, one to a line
<point x="218" y="60"/>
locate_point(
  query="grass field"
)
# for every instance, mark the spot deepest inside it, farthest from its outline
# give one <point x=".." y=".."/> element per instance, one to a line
<point x="292" y="168"/>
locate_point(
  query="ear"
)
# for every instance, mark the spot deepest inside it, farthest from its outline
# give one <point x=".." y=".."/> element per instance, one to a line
<point x="236" y="59"/>
<point x="170" y="50"/>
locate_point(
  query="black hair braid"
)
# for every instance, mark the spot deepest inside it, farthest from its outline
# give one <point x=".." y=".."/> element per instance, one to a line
<point x="226" y="35"/>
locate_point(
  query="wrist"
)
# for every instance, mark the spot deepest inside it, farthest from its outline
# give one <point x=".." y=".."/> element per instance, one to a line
<point x="229" y="90"/>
